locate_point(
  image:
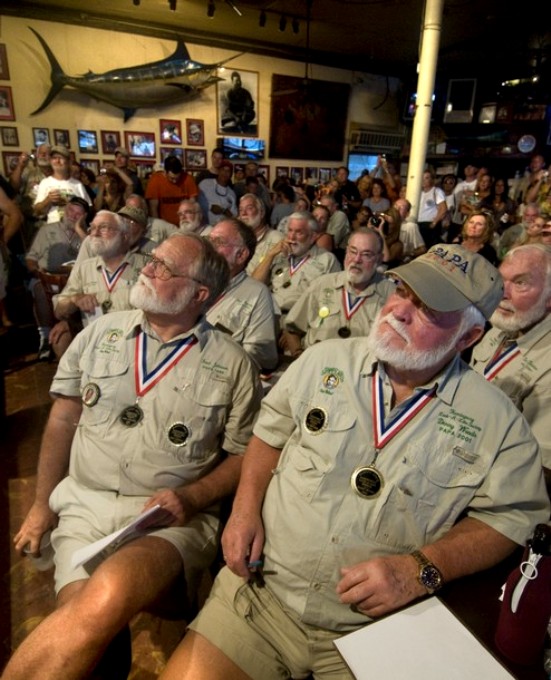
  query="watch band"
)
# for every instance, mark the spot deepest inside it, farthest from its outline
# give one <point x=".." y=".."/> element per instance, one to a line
<point x="429" y="576"/>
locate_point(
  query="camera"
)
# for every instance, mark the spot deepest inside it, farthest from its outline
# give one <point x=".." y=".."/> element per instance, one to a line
<point x="375" y="221"/>
<point x="103" y="171"/>
<point x="32" y="157"/>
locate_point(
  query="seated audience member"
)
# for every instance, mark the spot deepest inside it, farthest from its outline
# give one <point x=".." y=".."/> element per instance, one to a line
<point x="341" y="304"/>
<point x="252" y="212"/>
<point x="240" y="187"/>
<point x="502" y="207"/>
<point x="216" y="196"/>
<point x="157" y="229"/>
<point x="120" y="441"/>
<point x="100" y="284"/>
<point x="410" y="236"/>
<point x="165" y="190"/>
<point x="112" y="191"/>
<point x="477" y="235"/>
<point x="245" y="310"/>
<point x="293" y="263"/>
<point x="284" y="203"/>
<point x="321" y="214"/>
<point x="338" y="227"/>
<point x="125" y="171"/>
<point x="515" y="354"/>
<point x="192" y="219"/>
<point x="512" y="234"/>
<point x="53" y="248"/>
<point x="55" y="190"/>
<point x="532" y="233"/>
<point x="361" y="491"/>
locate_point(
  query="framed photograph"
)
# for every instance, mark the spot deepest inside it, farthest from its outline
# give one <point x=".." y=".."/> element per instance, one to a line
<point x="90" y="163"/>
<point x="41" y="136"/>
<point x="195" y="159"/>
<point x="87" y="141"/>
<point x="4" y="68"/>
<point x="460" y="100"/>
<point x="171" y="132"/>
<point x="282" y="171"/>
<point x="171" y="151"/>
<point x="62" y="137"/>
<point x="237" y="103"/>
<point x="140" y="144"/>
<point x="144" y="168"/>
<point x="6" y="104"/>
<point x="264" y="170"/>
<point x="311" y="175"/>
<point x="195" y="132"/>
<point x="324" y="175"/>
<point x="110" y="140"/>
<point x="10" y="159"/>
<point x="297" y="175"/>
<point x="10" y="137"/>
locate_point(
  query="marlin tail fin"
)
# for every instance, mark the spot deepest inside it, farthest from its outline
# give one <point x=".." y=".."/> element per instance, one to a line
<point x="57" y="75"/>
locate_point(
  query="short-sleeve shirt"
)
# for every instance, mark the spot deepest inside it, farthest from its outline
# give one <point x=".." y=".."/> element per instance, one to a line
<point x="68" y="188"/>
<point x="170" y="195"/>
<point x="268" y="239"/>
<point x="454" y="457"/>
<point x="53" y="246"/>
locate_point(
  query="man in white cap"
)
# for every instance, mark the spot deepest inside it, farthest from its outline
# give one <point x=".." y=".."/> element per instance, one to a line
<point x="376" y="473"/>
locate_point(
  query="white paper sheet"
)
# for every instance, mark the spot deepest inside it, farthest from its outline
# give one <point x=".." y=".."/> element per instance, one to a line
<point x="423" y="642"/>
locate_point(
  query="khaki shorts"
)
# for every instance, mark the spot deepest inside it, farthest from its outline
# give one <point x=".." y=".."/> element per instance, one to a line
<point x="250" y="626"/>
<point x="86" y="515"/>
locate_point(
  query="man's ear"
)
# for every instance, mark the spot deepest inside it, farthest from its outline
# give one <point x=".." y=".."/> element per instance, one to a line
<point x="242" y="255"/>
<point x="469" y="338"/>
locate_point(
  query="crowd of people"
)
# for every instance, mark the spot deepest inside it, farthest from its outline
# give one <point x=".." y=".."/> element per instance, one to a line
<point x="302" y="351"/>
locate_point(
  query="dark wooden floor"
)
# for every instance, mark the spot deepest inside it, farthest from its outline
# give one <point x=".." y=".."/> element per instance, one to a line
<point x="26" y="595"/>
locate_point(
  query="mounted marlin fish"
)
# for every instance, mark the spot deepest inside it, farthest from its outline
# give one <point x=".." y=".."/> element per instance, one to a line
<point x="168" y="81"/>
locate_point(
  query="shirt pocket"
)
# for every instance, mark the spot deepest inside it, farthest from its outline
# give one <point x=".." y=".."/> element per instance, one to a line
<point x="104" y="377"/>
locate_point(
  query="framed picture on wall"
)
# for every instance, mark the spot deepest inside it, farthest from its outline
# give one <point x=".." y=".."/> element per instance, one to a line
<point x="140" y="144"/>
<point x="144" y="168"/>
<point x="282" y="171"/>
<point x="297" y="174"/>
<point x="6" y="104"/>
<point x="171" y="131"/>
<point x="324" y="175"/>
<point x="237" y="103"/>
<point x="110" y="140"/>
<point x="195" y="132"/>
<point x="62" y="137"/>
<point x="166" y="151"/>
<point x="10" y="137"/>
<point x="10" y="159"/>
<point x="90" y="163"/>
<point x="311" y="175"/>
<point x="4" y="68"/>
<point x="41" y="136"/>
<point x="264" y="170"/>
<point x="195" y="159"/>
<point x="87" y="141"/>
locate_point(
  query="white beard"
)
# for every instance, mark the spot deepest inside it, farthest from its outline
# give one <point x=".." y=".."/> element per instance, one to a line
<point x="144" y="296"/>
<point x="519" y="321"/>
<point x="105" y="248"/>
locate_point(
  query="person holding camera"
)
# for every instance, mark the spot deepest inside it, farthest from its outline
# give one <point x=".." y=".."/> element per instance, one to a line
<point x="388" y="226"/>
<point x="432" y="209"/>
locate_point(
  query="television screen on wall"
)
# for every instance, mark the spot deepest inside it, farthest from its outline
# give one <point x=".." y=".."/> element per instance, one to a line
<point x="243" y="148"/>
<point x="359" y="162"/>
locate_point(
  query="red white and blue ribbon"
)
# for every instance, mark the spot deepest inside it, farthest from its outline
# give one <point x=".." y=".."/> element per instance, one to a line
<point x="350" y="306"/>
<point x="111" y="279"/>
<point x="383" y="432"/>
<point x="294" y="267"/>
<point x="500" y="360"/>
<point x="146" y="380"/>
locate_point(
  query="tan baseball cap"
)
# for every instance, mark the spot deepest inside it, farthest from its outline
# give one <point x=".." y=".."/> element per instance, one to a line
<point x="136" y="214"/>
<point x="449" y="278"/>
<point x="122" y="151"/>
<point x="61" y="150"/>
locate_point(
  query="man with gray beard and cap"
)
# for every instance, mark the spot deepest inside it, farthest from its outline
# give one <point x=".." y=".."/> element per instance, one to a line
<point x="515" y="354"/>
<point x="191" y="219"/>
<point x="100" y="284"/>
<point x="376" y="473"/>
<point x="152" y="410"/>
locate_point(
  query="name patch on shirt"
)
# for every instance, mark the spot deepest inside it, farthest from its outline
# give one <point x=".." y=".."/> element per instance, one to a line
<point x="458" y="425"/>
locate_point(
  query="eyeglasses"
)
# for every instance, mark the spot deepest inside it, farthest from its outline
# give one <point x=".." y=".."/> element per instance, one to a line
<point x="163" y="272"/>
<point x="103" y="228"/>
<point x="367" y="255"/>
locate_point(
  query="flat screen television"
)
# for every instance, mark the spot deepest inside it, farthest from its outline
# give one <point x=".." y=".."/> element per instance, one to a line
<point x="243" y="148"/>
<point x="358" y="162"/>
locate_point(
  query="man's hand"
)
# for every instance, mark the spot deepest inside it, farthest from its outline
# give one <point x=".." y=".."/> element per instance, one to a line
<point x="86" y="302"/>
<point x="175" y="502"/>
<point x="38" y="520"/>
<point x="380" y="585"/>
<point x="242" y="542"/>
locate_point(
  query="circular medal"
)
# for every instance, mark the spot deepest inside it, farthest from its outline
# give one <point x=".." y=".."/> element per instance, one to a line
<point x="106" y="306"/>
<point x="323" y="312"/>
<point x="286" y="284"/>
<point x="278" y="272"/>
<point x="178" y="434"/>
<point x="90" y="394"/>
<point x="131" y="416"/>
<point x="344" y="332"/>
<point x="316" y="420"/>
<point x="367" y="481"/>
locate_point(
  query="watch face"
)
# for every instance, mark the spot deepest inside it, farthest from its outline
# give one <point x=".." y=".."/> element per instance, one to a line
<point x="431" y="578"/>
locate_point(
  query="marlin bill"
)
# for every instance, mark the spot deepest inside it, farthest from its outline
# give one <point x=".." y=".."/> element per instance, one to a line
<point x="168" y="81"/>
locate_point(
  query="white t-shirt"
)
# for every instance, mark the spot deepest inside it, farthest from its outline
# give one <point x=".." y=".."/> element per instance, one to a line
<point x="68" y="187"/>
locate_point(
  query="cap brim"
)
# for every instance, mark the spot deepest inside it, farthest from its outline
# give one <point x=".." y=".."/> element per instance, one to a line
<point x="432" y="286"/>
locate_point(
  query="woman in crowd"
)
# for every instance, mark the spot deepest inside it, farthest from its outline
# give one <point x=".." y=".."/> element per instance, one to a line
<point x="377" y="199"/>
<point x="477" y="235"/>
<point x="112" y="191"/>
<point x="502" y="207"/>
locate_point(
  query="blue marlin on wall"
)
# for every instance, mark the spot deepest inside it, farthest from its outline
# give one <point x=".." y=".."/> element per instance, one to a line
<point x="167" y="81"/>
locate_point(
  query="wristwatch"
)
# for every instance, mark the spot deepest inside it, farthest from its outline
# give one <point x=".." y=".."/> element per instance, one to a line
<point x="428" y="576"/>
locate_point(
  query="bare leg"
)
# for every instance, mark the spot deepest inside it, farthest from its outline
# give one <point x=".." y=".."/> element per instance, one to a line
<point x="198" y="659"/>
<point x="71" y="641"/>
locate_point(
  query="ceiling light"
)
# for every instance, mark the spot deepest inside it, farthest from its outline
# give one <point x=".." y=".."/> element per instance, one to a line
<point x="235" y="8"/>
<point x="262" y="19"/>
<point x="282" y="23"/>
<point x="295" y="25"/>
<point x="210" y="9"/>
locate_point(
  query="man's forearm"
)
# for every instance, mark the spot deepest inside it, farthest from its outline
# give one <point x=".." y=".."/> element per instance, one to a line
<point x="219" y="483"/>
<point x="258" y="464"/>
